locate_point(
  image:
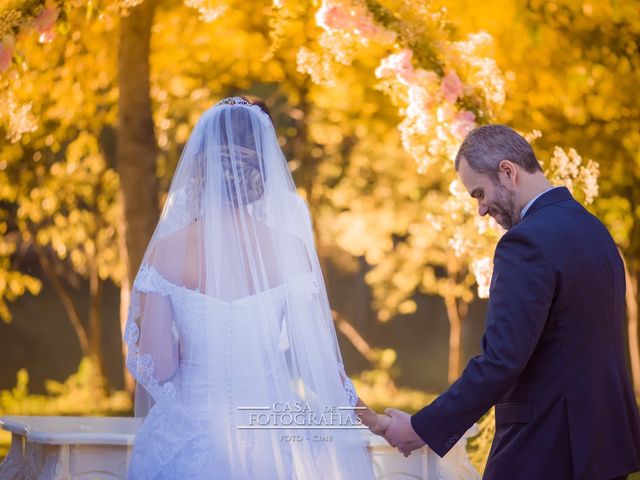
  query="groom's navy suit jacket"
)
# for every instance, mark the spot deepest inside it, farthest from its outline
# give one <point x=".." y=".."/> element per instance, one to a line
<point x="553" y="360"/>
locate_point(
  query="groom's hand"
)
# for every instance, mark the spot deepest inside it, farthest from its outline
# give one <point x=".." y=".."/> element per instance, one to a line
<point x="400" y="433"/>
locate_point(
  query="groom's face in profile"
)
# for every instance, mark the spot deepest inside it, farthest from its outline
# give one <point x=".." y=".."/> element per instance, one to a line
<point x="494" y="196"/>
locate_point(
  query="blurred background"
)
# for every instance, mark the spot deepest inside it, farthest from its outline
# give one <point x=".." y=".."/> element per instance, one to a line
<point x="370" y="100"/>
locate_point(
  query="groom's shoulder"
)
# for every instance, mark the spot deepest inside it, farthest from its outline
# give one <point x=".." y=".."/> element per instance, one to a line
<point x="557" y="227"/>
<point x="566" y="218"/>
<point x="543" y="225"/>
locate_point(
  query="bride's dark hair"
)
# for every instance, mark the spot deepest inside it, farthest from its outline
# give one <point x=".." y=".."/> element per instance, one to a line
<point x="246" y="184"/>
<point x="253" y="100"/>
<point x="243" y="176"/>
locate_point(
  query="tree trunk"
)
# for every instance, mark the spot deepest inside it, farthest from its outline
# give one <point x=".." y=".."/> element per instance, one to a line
<point x="95" y="328"/>
<point x="136" y="144"/>
<point x="632" y="325"/>
<point x="136" y="150"/>
<point x="455" y="337"/>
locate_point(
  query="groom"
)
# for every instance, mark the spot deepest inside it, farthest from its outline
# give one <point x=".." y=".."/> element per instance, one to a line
<point x="552" y="361"/>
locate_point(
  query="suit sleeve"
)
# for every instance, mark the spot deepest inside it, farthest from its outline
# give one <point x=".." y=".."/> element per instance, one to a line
<point x="522" y="289"/>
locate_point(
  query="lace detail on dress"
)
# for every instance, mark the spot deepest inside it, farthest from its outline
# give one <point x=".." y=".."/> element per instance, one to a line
<point x="351" y="391"/>
<point x="149" y="280"/>
<point x="142" y="367"/>
<point x="172" y="444"/>
<point x="183" y="208"/>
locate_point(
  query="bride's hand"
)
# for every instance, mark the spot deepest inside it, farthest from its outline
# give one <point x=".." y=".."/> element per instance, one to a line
<point x="382" y="422"/>
<point x="377" y="423"/>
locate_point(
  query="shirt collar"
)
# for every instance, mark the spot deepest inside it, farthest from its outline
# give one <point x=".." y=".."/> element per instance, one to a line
<point x="526" y="207"/>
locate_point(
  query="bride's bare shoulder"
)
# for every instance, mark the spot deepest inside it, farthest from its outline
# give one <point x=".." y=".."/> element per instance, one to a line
<point x="172" y="247"/>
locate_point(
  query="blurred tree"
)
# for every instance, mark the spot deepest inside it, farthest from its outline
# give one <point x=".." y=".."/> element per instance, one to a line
<point x="340" y="75"/>
<point x="377" y="200"/>
<point x="416" y="226"/>
<point x="58" y="191"/>
<point x="570" y="66"/>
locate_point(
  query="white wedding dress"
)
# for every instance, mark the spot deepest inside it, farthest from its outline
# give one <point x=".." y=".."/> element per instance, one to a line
<point x="197" y="437"/>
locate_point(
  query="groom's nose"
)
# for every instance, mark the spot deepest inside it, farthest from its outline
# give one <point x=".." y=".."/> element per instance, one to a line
<point x="482" y="209"/>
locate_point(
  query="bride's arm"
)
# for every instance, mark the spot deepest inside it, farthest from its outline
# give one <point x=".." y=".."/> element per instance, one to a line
<point x="376" y="422"/>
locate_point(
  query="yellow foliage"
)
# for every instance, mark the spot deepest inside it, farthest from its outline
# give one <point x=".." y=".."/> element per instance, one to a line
<point x="77" y="395"/>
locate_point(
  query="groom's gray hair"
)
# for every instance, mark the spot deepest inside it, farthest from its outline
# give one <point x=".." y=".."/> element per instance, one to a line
<point x="485" y="147"/>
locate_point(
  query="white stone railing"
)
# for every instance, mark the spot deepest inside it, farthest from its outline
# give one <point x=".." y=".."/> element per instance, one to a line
<point x="48" y="448"/>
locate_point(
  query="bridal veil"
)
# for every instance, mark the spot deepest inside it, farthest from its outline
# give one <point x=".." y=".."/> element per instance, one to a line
<point x="234" y="252"/>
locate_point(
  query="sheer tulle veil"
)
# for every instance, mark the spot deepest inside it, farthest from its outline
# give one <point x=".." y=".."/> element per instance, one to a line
<point x="234" y="232"/>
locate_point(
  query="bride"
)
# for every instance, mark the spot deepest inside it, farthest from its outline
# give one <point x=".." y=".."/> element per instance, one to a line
<point x="230" y="336"/>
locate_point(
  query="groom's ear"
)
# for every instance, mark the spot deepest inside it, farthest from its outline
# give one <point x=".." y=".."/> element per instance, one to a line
<point x="508" y="171"/>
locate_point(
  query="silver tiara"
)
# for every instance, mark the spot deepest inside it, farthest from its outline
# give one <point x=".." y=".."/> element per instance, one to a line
<point x="233" y="101"/>
<point x="241" y="101"/>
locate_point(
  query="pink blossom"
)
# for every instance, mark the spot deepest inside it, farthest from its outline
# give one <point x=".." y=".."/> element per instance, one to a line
<point x="426" y="76"/>
<point x="445" y="113"/>
<point x="333" y="17"/>
<point x="398" y="64"/>
<point x="452" y="87"/>
<point x="364" y="27"/>
<point x="45" y="22"/>
<point x="463" y="123"/>
<point x="351" y="18"/>
<point x="47" y="18"/>
<point x="403" y="66"/>
<point x="6" y="52"/>
<point x="420" y="101"/>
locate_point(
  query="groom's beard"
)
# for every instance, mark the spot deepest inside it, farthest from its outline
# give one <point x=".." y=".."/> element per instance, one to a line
<point x="503" y="210"/>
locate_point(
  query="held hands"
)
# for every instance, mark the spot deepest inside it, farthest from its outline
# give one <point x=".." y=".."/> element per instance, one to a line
<point x="400" y="434"/>
<point x="376" y="422"/>
<point x="380" y="425"/>
<point x="394" y="426"/>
